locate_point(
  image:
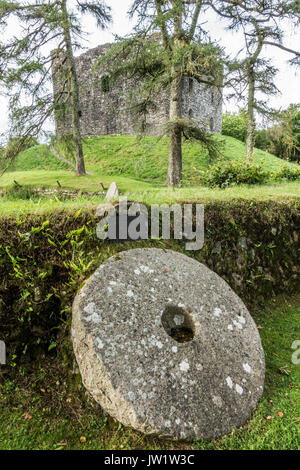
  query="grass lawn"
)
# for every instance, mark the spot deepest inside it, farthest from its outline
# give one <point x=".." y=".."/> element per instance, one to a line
<point x="139" y="169"/>
<point x="144" y="159"/>
<point x="40" y="411"/>
<point x="144" y="193"/>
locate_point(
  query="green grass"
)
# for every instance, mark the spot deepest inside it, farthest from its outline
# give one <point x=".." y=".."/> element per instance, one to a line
<point x="144" y="159"/>
<point x="38" y="157"/>
<point x="134" y="190"/>
<point x="40" y="411"/>
<point x="139" y="168"/>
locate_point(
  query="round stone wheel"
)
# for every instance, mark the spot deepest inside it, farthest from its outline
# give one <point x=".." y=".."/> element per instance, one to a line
<point x="164" y="345"/>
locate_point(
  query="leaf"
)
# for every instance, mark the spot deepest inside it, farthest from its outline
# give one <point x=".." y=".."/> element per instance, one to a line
<point x="83" y="439"/>
<point x="280" y="414"/>
<point x="27" y="415"/>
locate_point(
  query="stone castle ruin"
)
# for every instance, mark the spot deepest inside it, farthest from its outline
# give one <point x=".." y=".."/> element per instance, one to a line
<point x="104" y="107"/>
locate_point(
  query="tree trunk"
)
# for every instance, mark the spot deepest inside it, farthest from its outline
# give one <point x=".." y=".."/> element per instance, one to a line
<point x="250" y="140"/>
<point x="174" y="175"/>
<point x="75" y="109"/>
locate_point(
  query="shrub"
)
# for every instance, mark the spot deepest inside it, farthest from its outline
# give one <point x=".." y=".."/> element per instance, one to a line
<point x="232" y="173"/>
<point x="235" y="125"/>
<point x="262" y="139"/>
<point x="287" y="172"/>
<point x="285" y="134"/>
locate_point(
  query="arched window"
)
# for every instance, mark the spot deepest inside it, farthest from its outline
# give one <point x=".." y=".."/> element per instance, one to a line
<point x="191" y="114"/>
<point x="191" y="85"/>
<point x="211" y="124"/>
<point x="212" y="96"/>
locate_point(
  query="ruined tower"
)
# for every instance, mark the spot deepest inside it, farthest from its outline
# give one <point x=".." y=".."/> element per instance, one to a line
<point x="104" y="106"/>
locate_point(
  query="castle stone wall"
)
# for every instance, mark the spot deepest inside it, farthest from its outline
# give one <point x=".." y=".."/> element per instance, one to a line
<point x="104" y="107"/>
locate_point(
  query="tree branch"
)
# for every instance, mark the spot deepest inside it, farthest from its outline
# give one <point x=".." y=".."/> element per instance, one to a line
<point x="280" y="46"/>
<point x="194" y="21"/>
<point x="64" y="160"/>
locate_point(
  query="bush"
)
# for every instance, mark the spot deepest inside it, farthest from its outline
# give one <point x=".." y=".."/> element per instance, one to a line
<point x="232" y="173"/>
<point x="287" y="172"/>
<point x="262" y="139"/>
<point x="285" y="134"/>
<point x="235" y="125"/>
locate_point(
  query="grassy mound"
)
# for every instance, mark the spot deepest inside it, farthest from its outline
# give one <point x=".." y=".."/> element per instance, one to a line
<point x="139" y="168"/>
<point x="144" y="159"/>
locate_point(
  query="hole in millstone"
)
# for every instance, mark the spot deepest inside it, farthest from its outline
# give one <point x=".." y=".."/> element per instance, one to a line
<point x="178" y="323"/>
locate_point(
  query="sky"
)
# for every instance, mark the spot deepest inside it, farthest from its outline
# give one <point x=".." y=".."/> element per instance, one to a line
<point x="287" y="81"/>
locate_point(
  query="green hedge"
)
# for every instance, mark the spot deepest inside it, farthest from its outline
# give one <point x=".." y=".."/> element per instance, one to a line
<point x="44" y="261"/>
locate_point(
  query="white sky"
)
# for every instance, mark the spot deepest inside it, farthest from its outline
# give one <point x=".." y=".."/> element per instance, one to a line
<point x="287" y="80"/>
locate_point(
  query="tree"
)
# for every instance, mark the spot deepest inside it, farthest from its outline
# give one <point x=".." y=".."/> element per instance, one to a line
<point x="285" y="134"/>
<point x="168" y="45"/>
<point x="25" y="64"/>
<point x="235" y="125"/>
<point x="259" y="22"/>
<point x="290" y="10"/>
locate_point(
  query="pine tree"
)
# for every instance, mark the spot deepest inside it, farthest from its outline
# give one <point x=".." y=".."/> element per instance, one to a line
<point x="259" y="21"/>
<point x="26" y="59"/>
<point x="168" y="44"/>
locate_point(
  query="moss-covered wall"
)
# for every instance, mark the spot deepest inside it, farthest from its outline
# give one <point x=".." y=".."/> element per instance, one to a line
<point x="44" y="260"/>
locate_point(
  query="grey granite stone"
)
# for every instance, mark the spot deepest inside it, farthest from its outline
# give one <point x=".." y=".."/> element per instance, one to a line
<point x="113" y="192"/>
<point x="125" y="321"/>
<point x="107" y="110"/>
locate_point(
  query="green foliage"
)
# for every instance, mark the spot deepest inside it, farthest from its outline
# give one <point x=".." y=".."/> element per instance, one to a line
<point x="42" y="269"/>
<point x="138" y="167"/>
<point x="147" y="159"/>
<point x="151" y="66"/>
<point x="224" y="174"/>
<point x="105" y="83"/>
<point x="288" y="173"/>
<point x="235" y="125"/>
<point x="285" y="135"/>
<point x="262" y="139"/>
<point x="29" y="143"/>
<point x="25" y="63"/>
<point x="208" y="142"/>
<point x="14" y="147"/>
<point x="165" y="48"/>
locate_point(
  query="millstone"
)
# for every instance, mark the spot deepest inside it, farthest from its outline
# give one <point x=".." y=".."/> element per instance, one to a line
<point x="164" y="345"/>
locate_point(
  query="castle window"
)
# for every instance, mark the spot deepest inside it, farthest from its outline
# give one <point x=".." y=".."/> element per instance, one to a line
<point x="105" y="84"/>
<point x="212" y="96"/>
<point x="191" y="85"/>
<point x="191" y="114"/>
<point x="211" y="124"/>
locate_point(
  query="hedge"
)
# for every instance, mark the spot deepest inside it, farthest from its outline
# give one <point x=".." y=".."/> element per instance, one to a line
<point x="45" y="259"/>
